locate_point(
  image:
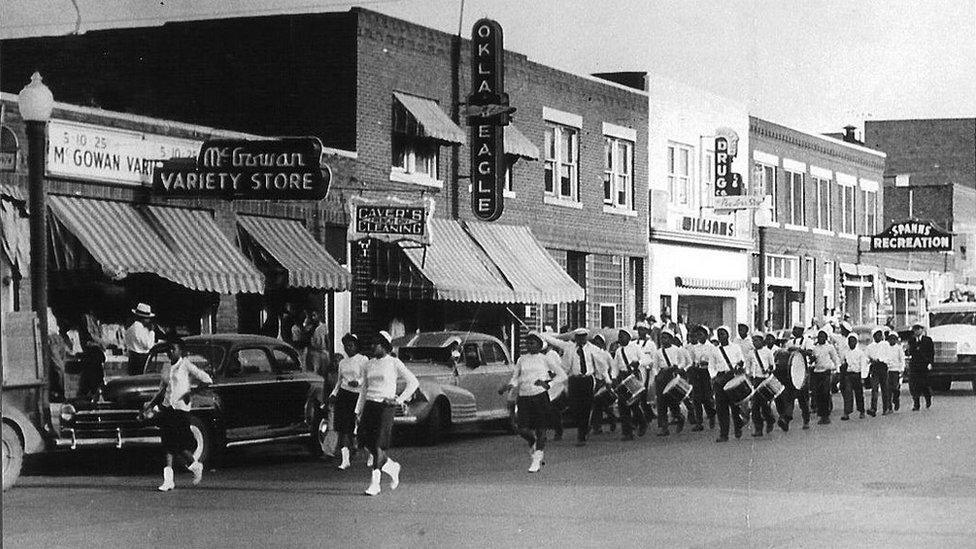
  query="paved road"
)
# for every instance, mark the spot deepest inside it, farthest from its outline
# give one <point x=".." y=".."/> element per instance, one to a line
<point x="907" y="480"/>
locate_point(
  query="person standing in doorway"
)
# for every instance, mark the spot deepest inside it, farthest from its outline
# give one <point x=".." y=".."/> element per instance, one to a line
<point x="922" y="351"/>
<point x="140" y="337"/>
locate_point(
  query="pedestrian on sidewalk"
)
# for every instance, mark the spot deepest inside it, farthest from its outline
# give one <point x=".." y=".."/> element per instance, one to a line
<point x="345" y="396"/>
<point x="923" y="355"/>
<point x="173" y="417"/>
<point x="531" y="378"/>
<point x="376" y="407"/>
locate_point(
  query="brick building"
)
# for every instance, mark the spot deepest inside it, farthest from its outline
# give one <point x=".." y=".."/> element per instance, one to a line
<point x="931" y="174"/>
<point x="388" y="89"/>
<point x="827" y="192"/>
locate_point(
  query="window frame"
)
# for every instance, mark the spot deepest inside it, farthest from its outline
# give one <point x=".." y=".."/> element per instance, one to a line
<point x="617" y="170"/>
<point x="871" y="211"/>
<point x="848" y="208"/>
<point x="553" y="165"/>
<point x="822" y="186"/>
<point x="686" y="179"/>
<point x="793" y="176"/>
<point x="770" y="188"/>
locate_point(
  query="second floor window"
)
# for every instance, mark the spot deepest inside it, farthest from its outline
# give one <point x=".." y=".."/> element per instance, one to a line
<point x="413" y="152"/>
<point x="870" y="199"/>
<point x="562" y="161"/>
<point x="618" y="173"/>
<point x="767" y="179"/>
<point x="823" y="202"/>
<point x="795" y="180"/>
<point x="847" y="210"/>
<point x="679" y="173"/>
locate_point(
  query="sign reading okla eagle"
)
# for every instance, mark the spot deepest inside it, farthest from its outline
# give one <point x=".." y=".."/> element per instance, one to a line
<point x="912" y="236"/>
<point x="288" y="168"/>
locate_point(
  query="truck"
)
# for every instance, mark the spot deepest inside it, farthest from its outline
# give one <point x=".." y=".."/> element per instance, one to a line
<point x="952" y="327"/>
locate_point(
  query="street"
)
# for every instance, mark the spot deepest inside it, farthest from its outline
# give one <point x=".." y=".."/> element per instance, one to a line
<point x="902" y="480"/>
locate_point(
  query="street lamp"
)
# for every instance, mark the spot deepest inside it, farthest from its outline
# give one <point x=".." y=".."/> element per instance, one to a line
<point x="762" y="219"/>
<point x="36" y="103"/>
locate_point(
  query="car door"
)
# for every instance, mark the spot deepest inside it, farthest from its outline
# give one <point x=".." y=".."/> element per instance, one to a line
<point x="292" y="386"/>
<point x="472" y="376"/>
<point x="246" y="386"/>
<point x="497" y="371"/>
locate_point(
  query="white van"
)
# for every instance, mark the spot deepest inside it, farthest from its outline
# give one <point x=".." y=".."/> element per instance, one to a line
<point x="952" y="327"/>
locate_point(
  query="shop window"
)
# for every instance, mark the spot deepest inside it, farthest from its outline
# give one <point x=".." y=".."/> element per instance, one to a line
<point x="767" y="179"/>
<point x="679" y="173"/>
<point x="797" y="202"/>
<point x="618" y="172"/>
<point x="847" y="210"/>
<point x="413" y="152"/>
<point x="562" y="161"/>
<point x="823" y="202"/>
<point x="608" y="316"/>
<point x="550" y="315"/>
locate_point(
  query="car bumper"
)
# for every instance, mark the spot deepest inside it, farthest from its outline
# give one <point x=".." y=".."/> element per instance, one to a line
<point x="72" y="440"/>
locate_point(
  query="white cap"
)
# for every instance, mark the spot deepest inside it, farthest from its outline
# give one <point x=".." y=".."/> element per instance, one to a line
<point x="581" y="331"/>
<point x="642" y="324"/>
<point x="386" y="335"/>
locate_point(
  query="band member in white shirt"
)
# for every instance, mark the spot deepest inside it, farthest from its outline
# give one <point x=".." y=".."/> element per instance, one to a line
<point x="726" y="360"/>
<point x="376" y="407"/>
<point x="877" y="358"/>
<point x="139" y="339"/>
<point x="896" y="367"/>
<point x="669" y="361"/>
<point x="602" y="410"/>
<point x="797" y="351"/>
<point x="702" y="399"/>
<point x="345" y="396"/>
<point x="759" y="365"/>
<point x="647" y="338"/>
<point x="825" y="363"/>
<point x="558" y="398"/>
<point x="173" y="399"/>
<point x="533" y="373"/>
<point x="626" y="362"/>
<point x="854" y="364"/>
<point x="582" y="369"/>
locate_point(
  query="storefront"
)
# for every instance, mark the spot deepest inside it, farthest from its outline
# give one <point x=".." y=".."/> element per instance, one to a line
<point x="860" y="304"/>
<point x="905" y="297"/>
<point x="784" y="297"/>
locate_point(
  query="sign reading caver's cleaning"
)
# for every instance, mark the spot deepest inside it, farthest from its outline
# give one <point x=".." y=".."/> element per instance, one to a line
<point x="390" y="219"/>
<point x="912" y="236"/>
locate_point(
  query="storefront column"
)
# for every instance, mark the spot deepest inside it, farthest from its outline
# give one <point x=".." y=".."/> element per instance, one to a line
<point x="363" y="254"/>
<point x="226" y="316"/>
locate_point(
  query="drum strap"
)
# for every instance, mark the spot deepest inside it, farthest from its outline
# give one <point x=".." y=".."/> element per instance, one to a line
<point x="667" y="360"/>
<point x="762" y="367"/>
<point x="726" y="357"/>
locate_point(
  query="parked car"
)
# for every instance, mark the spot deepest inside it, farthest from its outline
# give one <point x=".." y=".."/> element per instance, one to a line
<point x="952" y="327"/>
<point x="259" y="394"/>
<point x="455" y="392"/>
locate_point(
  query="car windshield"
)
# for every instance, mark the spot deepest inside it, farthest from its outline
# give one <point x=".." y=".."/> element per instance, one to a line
<point x="425" y="354"/>
<point x="205" y="357"/>
<point x="962" y="317"/>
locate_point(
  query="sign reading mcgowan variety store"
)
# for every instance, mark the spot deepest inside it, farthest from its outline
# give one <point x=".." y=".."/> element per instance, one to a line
<point x="912" y="236"/>
<point x="281" y="169"/>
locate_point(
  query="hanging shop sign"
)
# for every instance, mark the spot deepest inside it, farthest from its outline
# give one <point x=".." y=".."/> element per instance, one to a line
<point x="488" y="113"/>
<point x="289" y="168"/>
<point x="390" y="219"/>
<point x="728" y="188"/>
<point x="912" y="236"/>
<point x="707" y="226"/>
<point x="8" y="150"/>
<point x="110" y="155"/>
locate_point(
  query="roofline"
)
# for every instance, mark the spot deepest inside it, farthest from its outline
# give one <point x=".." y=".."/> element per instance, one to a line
<point x="948" y="119"/>
<point x="186" y="126"/>
<point x="826" y="138"/>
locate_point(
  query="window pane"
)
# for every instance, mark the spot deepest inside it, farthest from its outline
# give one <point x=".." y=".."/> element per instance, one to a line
<point x="607" y="191"/>
<point x="607" y="155"/>
<point x="683" y="162"/>
<point x="670" y="159"/>
<point x="567" y="146"/>
<point x="550" y="145"/>
<point x="622" y="186"/>
<point x="548" y="176"/>
<point x="565" y="181"/>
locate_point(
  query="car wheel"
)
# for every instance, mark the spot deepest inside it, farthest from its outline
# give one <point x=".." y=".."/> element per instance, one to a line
<point x="942" y="385"/>
<point x="205" y="450"/>
<point x="432" y="429"/>
<point x="324" y="438"/>
<point x="13" y="456"/>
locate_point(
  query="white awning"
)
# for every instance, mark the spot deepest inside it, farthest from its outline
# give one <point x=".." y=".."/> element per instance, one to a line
<point x="857" y="269"/>
<point x="429" y="115"/>
<point x="905" y="276"/>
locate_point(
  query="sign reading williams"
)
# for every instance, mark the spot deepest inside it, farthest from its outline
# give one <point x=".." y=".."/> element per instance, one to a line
<point x="289" y="168"/>
<point x="912" y="236"/>
<point x="390" y="219"/>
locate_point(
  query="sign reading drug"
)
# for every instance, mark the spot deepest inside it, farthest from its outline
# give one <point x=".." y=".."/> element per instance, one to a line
<point x="728" y="185"/>
<point x="390" y="219"/>
<point x="281" y="169"/>
<point x="912" y="236"/>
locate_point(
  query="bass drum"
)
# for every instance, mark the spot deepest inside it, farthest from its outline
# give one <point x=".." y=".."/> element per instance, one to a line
<point x="798" y="369"/>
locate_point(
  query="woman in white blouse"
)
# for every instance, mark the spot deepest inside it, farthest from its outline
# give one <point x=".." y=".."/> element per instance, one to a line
<point x="377" y="404"/>
<point x="345" y="396"/>
<point x="533" y="375"/>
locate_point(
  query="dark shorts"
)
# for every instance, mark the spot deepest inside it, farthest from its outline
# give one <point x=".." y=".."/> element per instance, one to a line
<point x="344" y="414"/>
<point x="376" y="425"/>
<point x="174" y="429"/>
<point x="533" y="411"/>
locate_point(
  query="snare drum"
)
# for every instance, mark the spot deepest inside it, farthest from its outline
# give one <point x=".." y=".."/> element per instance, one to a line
<point x="678" y="389"/>
<point x="603" y="397"/>
<point x="798" y="370"/>
<point x="739" y="389"/>
<point x="769" y="389"/>
<point x="630" y="390"/>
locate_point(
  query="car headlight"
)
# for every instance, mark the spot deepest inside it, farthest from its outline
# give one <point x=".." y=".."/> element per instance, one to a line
<point x="966" y="347"/>
<point x="67" y="412"/>
<point x="417" y="396"/>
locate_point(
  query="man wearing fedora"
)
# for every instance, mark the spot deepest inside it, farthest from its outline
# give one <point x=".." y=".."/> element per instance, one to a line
<point x="140" y="337"/>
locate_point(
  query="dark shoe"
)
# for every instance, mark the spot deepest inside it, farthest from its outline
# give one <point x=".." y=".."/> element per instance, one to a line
<point x="823" y="421"/>
<point x="627" y="438"/>
<point x="769" y="426"/>
<point x="738" y="433"/>
<point x="845" y="417"/>
<point x="915" y="408"/>
<point x="806" y="425"/>
<point x="861" y="416"/>
<point x="784" y="424"/>
<point x="663" y="433"/>
<point x="872" y="412"/>
<point x="642" y="430"/>
<point x="928" y="403"/>
<point x="758" y="433"/>
<point x="897" y="406"/>
<point x="722" y="439"/>
<point x="711" y="422"/>
<point x="697" y="428"/>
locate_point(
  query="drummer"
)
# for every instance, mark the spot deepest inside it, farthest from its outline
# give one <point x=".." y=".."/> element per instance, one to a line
<point x="602" y="409"/>
<point x="825" y="363"/>
<point x="626" y="361"/>
<point x="702" y="400"/>
<point x="725" y="361"/>
<point x="669" y="361"/>
<point x="797" y="349"/>
<point x="759" y="365"/>
<point x="647" y="342"/>
<point x="580" y="364"/>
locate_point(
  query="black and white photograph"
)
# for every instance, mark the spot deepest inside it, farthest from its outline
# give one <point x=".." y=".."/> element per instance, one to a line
<point x="488" y="273"/>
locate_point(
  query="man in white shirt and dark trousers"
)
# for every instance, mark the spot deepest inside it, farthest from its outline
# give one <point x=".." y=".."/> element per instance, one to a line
<point x="825" y="361"/>
<point x="625" y="363"/>
<point x="854" y="364"/>
<point x="647" y="338"/>
<point x="139" y="339"/>
<point x="797" y="349"/>
<point x="877" y="355"/>
<point x="582" y="367"/>
<point x="896" y="367"/>
<point x="702" y="402"/>
<point x="725" y="361"/>
<point x="759" y="364"/>
<point x="669" y="361"/>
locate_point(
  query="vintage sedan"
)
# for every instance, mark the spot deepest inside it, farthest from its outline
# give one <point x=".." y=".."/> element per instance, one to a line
<point x="458" y="390"/>
<point x="259" y="394"/>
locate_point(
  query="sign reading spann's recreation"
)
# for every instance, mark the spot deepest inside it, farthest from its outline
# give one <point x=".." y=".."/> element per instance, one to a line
<point x="390" y="219"/>
<point x="912" y="236"/>
<point x="281" y="169"/>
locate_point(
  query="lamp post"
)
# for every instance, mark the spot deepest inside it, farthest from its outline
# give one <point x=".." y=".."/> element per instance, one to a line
<point x="762" y="218"/>
<point x="36" y="103"/>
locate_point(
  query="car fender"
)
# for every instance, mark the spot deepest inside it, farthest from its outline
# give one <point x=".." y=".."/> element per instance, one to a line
<point x="457" y="398"/>
<point x="33" y="441"/>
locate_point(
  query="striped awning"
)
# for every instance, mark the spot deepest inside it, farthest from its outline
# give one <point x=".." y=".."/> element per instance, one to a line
<point x="517" y="144"/>
<point x="431" y="117"/>
<point x="14" y="192"/>
<point x="856" y="269"/>
<point x="296" y="250"/>
<point x="458" y="268"/>
<point x="709" y="283"/>
<point x="533" y="274"/>
<point x="905" y="276"/>
<point x="181" y="245"/>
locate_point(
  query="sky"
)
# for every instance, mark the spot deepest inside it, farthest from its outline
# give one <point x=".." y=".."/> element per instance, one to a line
<point x="814" y="65"/>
